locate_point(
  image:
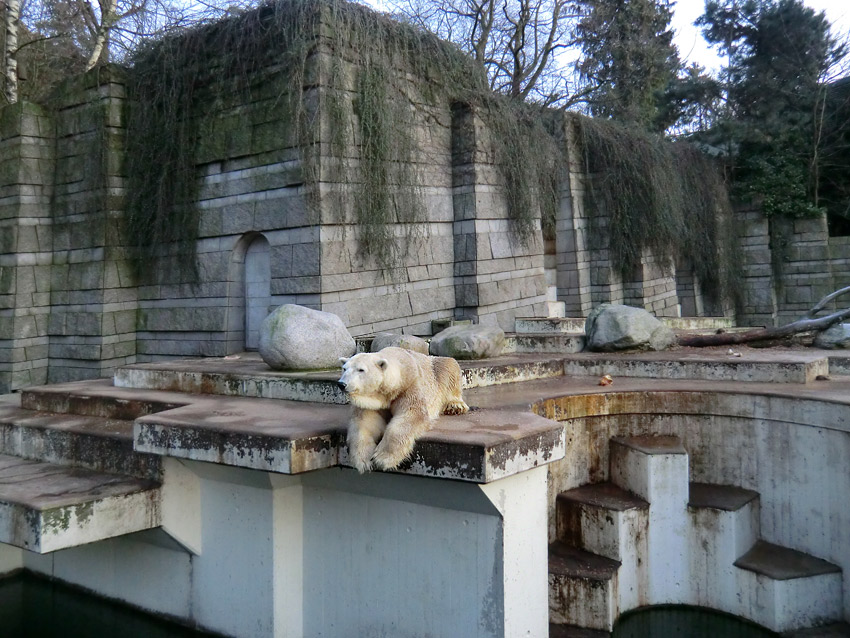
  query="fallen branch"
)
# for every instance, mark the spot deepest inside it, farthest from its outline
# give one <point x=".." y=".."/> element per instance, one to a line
<point x="806" y="324"/>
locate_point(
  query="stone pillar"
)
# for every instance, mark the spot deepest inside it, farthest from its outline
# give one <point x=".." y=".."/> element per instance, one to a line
<point x="26" y="182"/>
<point x="93" y="297"/>
<point x="572" y="227"/>
<point x="758" y="296"/>
<point x="496" y="277"/>
<point x="803" y="269"/>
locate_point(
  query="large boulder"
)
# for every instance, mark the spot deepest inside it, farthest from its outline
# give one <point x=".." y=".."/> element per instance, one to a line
<point x="612" y="327"/>
<point x="468" y="342"/>
<point x="390" y="339"/>
<point x="298" y="338"/>
<point x="834" y="337"/>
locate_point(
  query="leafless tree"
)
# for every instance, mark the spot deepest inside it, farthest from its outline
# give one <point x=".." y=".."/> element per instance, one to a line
<point x="521" y="43"/>
<point x="61" y="37"/>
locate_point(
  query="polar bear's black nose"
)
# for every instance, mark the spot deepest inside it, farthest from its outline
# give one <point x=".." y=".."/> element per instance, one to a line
<point x="341" y="385"/>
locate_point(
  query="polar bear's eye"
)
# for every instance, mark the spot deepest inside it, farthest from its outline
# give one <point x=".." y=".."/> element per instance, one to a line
<point x="361" y="369"/>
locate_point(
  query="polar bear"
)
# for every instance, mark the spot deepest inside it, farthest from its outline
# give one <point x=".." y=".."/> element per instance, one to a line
<point x="396" y="396"/>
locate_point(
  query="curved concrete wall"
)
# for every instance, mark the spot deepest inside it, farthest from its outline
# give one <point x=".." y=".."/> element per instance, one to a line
<point x="793" y="450"/>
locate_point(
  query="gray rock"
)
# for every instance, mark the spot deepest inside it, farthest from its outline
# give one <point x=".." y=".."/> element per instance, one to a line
<point x="468" y="342"/>
<point x="298" y="338"/>
<point x="837" y="336"/>
<point x="612" y="327"/>
<point x="408" y="342"/>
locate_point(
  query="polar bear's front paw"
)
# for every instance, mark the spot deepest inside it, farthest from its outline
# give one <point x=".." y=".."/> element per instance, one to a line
<point x="362" y="465"/>
<point x="390" y="456"/>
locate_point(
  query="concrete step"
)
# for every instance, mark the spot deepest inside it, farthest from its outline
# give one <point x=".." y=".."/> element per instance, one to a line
<point x="699" y="323"/>
<point x="508" y="369"/>
<point x="246" y="376"/>
<point x="709" y="366"/>
<point x="582" y="588"/>
<point x="543" y="343"/>
<point x="656" y="469"/>
<point x="550" y="325"/>
<point x="724" y="524"/>
<point x="98" y="398"/>
<point x="785" y="589"/>
<point x="607" y="520"/>
<point x="559" y="323"/>
<point x="602" y="518"/>
<point x="91" y="442"/>
<point x="46" y="507"/>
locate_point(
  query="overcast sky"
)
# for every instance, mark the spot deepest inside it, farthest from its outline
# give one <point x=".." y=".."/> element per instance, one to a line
<point x="692" y="48"/>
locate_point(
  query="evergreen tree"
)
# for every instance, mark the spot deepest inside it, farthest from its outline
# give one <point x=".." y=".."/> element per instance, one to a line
<point x="779" y="53"/>
<point x="629" y="59"/>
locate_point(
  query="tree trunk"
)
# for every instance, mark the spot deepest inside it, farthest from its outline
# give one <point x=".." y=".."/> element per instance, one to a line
<point x="10" y="66"/>
<point x="806" y="324"/>
<point x="107" y="19"/>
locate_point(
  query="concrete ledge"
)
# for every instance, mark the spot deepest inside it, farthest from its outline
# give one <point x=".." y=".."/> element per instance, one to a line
<point x="544" y="343"/>
<point x="244" y="377"/>
<point x="45" y="507"/>
<point x="783" y="563"/>
<point x="94" y="443"/>
<point x="792" y="368"/>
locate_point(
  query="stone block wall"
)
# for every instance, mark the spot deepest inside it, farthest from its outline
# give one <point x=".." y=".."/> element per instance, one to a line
<point x="26" y="186"/>
<point x="572" y="232"/>
<point x="805" y="270"/>
<point x="759" y="303"/>
<point x="497" y="278"/>
<point x="251" y="188"/>
<point x="419" y="287"/>
<point x="93" y="299"/>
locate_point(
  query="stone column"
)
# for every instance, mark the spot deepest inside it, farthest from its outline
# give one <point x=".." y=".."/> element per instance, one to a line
<point x="26" y="182"/>
<point x="497" y="278"/>
<point x="93" y="296"/>
<point x="572" y="227"/>
<point x="758" y="297"/>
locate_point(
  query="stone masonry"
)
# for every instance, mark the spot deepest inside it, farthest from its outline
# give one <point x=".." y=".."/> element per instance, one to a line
<point x="71" y="307"/>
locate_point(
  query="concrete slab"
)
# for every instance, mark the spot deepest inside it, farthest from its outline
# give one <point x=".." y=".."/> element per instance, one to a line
<point x="551" y="325"/>
<point x="544" y="343"/>
<point x="247" y="376"/>
<point x="98" y="398"/>
<point x="45" y="507"/>
<point x="293" y="437"/>
<point x="722" y="497"/>
<point x="783" y="563"/>
<point x="95" y="443"/>
<point x="509" y="369"/>
<point x="750" y="366"/>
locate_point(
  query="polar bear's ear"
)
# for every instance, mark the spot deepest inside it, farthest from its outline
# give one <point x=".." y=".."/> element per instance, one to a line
<point x="344" y="359"/>
<point x="382" y="364"/>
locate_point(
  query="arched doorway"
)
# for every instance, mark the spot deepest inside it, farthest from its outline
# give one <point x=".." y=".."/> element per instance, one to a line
<point x="257" y="289"/>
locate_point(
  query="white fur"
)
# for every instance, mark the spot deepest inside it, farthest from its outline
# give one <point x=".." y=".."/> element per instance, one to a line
<point x="396" y="396"/>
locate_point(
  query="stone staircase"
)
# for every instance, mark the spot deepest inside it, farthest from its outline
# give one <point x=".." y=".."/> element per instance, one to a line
<point x="649" y="537"/>
<point x="69" y="474"/>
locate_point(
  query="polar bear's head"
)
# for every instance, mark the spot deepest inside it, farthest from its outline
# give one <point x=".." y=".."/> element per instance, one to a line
<point x="368" y="378"/>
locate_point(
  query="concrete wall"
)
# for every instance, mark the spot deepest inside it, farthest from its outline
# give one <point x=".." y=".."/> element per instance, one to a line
<point x="331" y="553"/>
<point x="791" y="451"/>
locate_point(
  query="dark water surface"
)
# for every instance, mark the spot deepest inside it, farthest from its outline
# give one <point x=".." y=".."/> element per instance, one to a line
<point x="686" y="622"/>
<point x="31" y="607"/>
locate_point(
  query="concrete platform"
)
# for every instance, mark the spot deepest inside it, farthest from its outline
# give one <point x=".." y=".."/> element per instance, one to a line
<point x="94" y="443"/>
<point x="711" y="365"/>
<point x="46" y="507"/>
<point x="292" y="437"/>
<point x="783" y="563"/>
